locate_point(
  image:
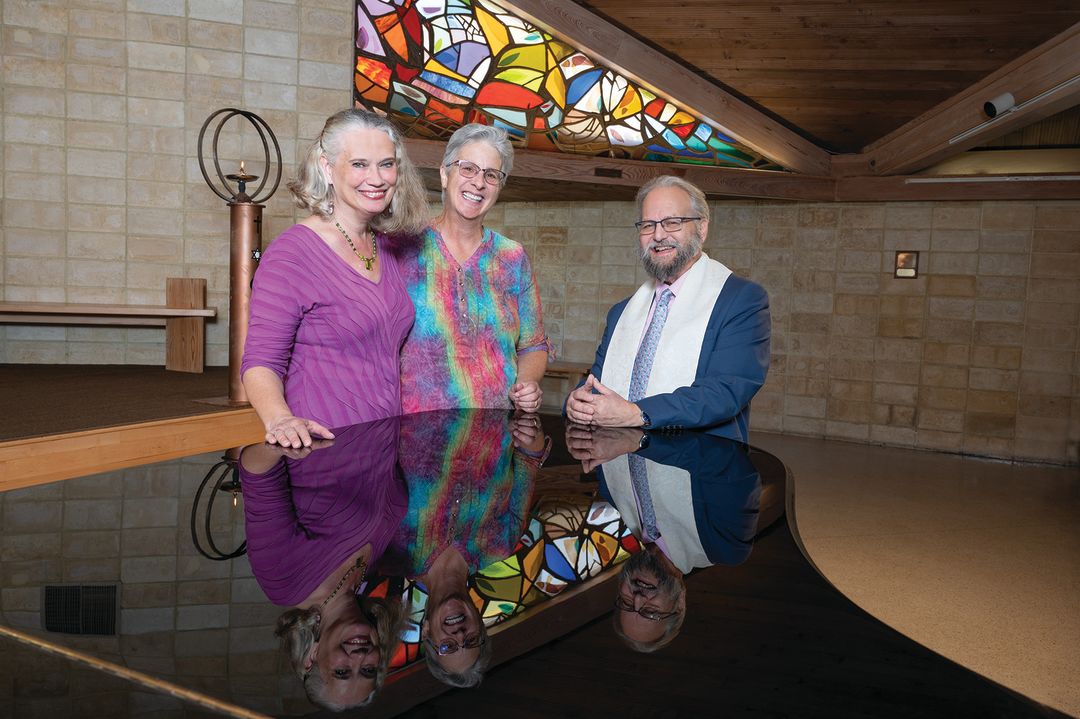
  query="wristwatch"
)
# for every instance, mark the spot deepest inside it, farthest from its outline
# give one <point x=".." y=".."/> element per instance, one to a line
<point x="645" y="421"/>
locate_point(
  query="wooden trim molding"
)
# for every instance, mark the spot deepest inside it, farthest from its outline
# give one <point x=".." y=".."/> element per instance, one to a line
<point x="633" y="58"/>
<point x="38" y="460"/>
<point x="719" y="182"/>
<point x="714" y="181"/>
<point x="1050" y="72"/>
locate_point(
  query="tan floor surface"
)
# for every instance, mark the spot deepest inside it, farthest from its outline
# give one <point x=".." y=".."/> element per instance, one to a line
<point x="975" y="559"/>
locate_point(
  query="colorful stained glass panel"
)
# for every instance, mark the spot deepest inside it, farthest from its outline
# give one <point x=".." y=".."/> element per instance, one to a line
<point x="501" y="70"/>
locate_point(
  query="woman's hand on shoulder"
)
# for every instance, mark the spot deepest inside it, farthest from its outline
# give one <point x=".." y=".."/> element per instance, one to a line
<point x="295" y="432"/>
<point x="526" y="396"/>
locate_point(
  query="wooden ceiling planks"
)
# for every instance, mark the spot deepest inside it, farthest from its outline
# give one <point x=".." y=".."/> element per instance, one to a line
<point x="624" y="53"/>
<point x="1044" y="81"/>
<point x="842" y="73"/>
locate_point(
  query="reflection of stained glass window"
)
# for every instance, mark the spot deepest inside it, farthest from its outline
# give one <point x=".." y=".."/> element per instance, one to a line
<point x="434" y="65"/>
<point x="567" y="542"/>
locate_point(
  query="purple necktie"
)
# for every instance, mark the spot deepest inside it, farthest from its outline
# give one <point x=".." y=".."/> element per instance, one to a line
<point x="639" y="379"/>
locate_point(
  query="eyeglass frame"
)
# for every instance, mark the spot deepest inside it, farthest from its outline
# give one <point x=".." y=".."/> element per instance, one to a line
<point x="641" y="225"/>
<point x="629" y="608"/>
<point x="481" y="640"/>
<point x="498" y="174"/>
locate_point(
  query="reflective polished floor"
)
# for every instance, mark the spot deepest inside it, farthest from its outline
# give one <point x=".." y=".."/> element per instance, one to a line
<point x="976" y="559"/>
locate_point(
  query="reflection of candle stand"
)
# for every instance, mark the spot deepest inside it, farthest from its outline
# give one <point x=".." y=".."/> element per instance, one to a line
<point x="222" y="477"/>
<point x="245" y="235"/>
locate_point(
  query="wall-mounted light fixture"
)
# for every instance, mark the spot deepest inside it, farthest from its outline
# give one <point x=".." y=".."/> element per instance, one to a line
<point x="1005" y="104"/>
<point x="906" y="266"/>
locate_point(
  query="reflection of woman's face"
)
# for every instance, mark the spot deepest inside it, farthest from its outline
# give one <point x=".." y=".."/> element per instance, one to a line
<point x="454" y="619"/>
<point x="347" y="658"/>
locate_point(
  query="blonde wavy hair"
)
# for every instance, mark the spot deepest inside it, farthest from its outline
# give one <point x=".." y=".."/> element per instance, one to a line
<point x="298" y="630"/>
<point x="408" y="210"/>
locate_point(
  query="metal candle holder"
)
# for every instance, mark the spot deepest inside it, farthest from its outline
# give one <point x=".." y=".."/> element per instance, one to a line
<point x="245" y="230"/>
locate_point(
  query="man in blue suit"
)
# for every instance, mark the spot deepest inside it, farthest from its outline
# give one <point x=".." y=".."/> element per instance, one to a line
<point x="690" y="348"/>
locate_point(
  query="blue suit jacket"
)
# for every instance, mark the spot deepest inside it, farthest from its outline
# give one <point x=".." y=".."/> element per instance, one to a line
<point x="731" y="368"/>
<point x="725" y="487"/>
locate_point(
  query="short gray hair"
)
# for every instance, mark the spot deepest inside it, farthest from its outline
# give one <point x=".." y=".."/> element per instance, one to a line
<point x="472" y="676"/>
<point x="698" y="203"/>
<point x="496" y="137"/>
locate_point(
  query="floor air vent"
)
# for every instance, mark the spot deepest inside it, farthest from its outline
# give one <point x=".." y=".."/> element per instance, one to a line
<point x="80" y="609"/>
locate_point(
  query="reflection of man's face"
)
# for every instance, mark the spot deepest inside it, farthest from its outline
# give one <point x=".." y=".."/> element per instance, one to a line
<point x="649" y="583"/>
<point x="667" y="254"/>
<point x="347" y="658"/>
<point x="454" y="619"/>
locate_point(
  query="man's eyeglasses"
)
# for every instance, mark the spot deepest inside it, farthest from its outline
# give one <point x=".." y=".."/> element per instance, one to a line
<point x="671" y="224"/>
<point x="449" y="646"/>
<point x="652" y="615"/>
<point x="469" y="170"/>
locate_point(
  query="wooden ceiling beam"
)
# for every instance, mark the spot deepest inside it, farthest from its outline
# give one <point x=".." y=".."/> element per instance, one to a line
<point x="625" y="54"/>
<point x="959" y="123"/>
<point x="713" y="181"/>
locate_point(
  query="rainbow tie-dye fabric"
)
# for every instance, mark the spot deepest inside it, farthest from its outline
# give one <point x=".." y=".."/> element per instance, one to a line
<point x="473" y="320"/>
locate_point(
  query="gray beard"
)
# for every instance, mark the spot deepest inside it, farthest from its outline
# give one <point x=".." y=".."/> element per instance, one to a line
<point x="666" y="273"/>
<point x="644" y="561"/>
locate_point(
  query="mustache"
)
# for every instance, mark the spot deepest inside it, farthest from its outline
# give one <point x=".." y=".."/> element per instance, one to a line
<point x="655" y="245"/>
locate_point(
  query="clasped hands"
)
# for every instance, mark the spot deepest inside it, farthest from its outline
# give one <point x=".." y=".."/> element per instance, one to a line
<point x="594" y="404"/>
<point x="526" y="396"/>
<point x="593" y="447"/>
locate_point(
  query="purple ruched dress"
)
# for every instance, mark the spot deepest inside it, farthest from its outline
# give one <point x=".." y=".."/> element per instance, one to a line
<point x="304" y="518"/>
<point x="332" y="335"/>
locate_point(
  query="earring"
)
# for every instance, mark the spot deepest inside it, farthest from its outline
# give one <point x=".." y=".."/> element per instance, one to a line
<point x="330" y="200"/>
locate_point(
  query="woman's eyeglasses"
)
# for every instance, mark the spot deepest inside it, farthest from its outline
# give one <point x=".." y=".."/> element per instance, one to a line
<point x="449" y="646"/>
<point x="470" y="170"/>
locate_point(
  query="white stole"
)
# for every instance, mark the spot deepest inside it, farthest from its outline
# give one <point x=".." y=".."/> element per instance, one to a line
<point x="679" y="348"/>
<point x="673" y="504"/>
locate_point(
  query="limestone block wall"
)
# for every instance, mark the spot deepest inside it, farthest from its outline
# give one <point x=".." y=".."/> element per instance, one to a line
<point x="977" y="355"/>
<point x="102" y="105"/>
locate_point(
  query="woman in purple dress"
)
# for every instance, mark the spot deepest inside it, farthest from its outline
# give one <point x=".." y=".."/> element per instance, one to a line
<point x="329" y="309"/>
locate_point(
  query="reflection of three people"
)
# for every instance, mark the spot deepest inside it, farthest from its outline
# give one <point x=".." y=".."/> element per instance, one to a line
<point x="432" y="496"/>
<point x="366" y="309"/>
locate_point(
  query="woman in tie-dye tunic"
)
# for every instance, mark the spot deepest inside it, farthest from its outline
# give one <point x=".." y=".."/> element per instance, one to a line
<point x="478" y="339"/>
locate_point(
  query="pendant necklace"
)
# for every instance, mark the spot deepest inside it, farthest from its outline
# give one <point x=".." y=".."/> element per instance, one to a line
<point x="361" y="564"/>
<point x="374" y="248"/>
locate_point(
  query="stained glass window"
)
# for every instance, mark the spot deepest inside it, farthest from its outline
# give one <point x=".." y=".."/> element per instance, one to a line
<point x="434" y="65"/>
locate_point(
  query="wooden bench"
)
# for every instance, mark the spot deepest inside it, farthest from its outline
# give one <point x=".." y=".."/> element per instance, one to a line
<point x="567" y="373"/>
<point x="183" y="317"/>
<point x="573" y="371"/>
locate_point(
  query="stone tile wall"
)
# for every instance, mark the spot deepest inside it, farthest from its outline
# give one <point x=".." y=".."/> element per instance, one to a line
<point x="102" y="105"/>
<point x="977" y="355"/>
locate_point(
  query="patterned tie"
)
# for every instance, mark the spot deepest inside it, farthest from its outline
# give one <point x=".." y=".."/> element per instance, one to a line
<point x="639" y="379"/>
<point x="640" y="477"/>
